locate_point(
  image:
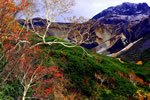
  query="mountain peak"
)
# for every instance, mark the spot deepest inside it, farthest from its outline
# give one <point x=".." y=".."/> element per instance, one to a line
<point x="126" y="9"/>
<point x="138" y="6"/>
<point x="131" y="4"/>
<point x="128" y="4"/>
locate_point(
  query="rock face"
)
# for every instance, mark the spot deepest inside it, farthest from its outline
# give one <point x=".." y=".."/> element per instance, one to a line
<point x="119" y="26"/>
<point x="115" y="28"/>
<point x="107" y="32"/>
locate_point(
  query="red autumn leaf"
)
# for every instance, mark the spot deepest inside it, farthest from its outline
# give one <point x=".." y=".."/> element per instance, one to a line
<point x="38" y="88"/>
<point x="16" y="35"/>
<point x="20" y="8"/>
<point x="23" y="3"/>
<point x="27" y="4"/>
<point x="14" y="10"/>
<point x="140" y="80"/>
<point x="6" y="1"/>
<point x="11" y="38"/>
<point x="58" y="75"/>
<point x="0" y="5"/>
<point x="48" y="90"/>
<point x="40" y="68"/>
<point x="5" y="15"/>
<point x="15" y="30"/>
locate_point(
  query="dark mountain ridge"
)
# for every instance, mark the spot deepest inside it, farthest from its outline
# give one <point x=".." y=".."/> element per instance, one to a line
<point x="125" y="9"/>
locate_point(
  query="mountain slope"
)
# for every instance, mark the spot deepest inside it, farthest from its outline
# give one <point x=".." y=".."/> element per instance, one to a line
<point x="97" y="77"/>
<point x="122" y="24"/>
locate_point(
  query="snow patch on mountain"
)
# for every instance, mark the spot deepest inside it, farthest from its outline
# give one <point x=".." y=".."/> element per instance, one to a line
<point x="127" y="11"/>
<point x="130" y="18"/>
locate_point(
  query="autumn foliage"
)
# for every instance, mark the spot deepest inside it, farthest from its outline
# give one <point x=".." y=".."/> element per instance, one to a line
<point x="8" y="9"/>
<point x="22" y="56"/>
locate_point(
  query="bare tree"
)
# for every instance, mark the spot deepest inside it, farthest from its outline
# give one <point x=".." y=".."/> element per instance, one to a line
<point x="101" y="77"/>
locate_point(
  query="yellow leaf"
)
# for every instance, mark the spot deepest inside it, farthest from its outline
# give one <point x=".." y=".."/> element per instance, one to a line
<point x="120" y="60"/>
<point x="139" y="62"/>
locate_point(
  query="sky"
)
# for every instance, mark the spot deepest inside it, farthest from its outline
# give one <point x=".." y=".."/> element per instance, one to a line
<point x="89" y="8"/>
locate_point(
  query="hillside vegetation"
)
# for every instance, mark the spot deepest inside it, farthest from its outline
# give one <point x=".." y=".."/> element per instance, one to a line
<point x="92" y="78"/>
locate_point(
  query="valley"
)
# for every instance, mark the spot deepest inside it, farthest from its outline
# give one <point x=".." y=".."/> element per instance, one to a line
<point x="104" y="58"/>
